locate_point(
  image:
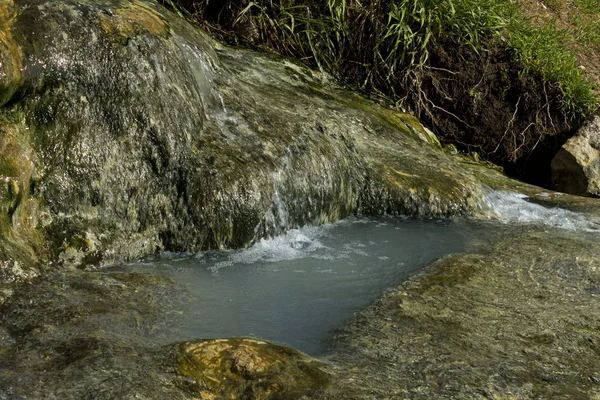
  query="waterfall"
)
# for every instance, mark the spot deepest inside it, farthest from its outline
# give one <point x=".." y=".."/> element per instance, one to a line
<point x="517" y="208"/>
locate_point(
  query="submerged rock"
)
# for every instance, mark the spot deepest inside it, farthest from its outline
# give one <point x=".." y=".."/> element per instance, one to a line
<point x="576" y="166"/>
<point x="519" y="320"/>
<point x="241" y="368"/>
<point x="80" y="335"/>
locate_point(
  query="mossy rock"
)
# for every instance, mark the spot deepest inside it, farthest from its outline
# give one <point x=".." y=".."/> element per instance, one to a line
<point x="11" y="57"/>
<point x="134" y="19"/>
<point x="130" y="131"/>
<point x="518" y="319"/>
<point x="242" y="368"/>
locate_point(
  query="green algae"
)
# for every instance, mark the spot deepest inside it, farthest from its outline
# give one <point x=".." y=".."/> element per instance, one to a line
<point x="244" y="368"/>
<point x="11" y="57"/>
<point x="22" y="247"/>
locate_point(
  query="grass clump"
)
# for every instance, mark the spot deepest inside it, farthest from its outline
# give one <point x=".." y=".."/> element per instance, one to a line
<point x="376" y="41"/>
<point x="539" y="50"/>
<point x="373" y="43"/>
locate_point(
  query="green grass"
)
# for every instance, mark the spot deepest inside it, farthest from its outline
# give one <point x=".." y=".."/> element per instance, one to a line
<point x="540" y="51"/>
<point x="585" y="17"/>
<point x="550" y="49"/>
<point x="376" y="44"/>
<point x="381" y="39"/>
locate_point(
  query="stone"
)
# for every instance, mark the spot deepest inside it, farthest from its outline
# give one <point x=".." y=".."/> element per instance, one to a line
<point x="576" y="167"/>
<point x="11" y="58"/>
<point x="243" y="368"/>
<point x="123" y="122"/>
<point x="517" y="319"/>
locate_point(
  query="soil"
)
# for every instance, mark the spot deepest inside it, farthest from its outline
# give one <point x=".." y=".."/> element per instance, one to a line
<point x="481" y="103"/>
<point x="512" y="120"/>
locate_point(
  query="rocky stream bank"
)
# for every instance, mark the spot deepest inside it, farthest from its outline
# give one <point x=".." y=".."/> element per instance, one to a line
<point x="126" y="131"/>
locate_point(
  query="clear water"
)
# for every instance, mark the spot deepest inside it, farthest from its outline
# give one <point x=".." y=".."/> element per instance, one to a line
<point x="296" y="288"/>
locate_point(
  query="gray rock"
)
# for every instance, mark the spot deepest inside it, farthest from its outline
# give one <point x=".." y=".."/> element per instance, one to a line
<point x="576" y="166"/>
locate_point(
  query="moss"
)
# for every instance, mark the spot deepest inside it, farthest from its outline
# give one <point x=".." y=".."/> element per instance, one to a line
<point x="11" y="58"/>
<point x="456" y="272"/>
<point x="21" y="242"/>
<point x="134" y="19"/>
<point x="240" y="368"/>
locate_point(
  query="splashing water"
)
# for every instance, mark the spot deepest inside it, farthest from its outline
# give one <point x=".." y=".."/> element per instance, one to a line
<point x="515" y="208"/>
<point x="298" y="287"/>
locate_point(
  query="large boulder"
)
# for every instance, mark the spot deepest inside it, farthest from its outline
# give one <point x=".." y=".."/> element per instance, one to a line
<point x="125" y="130"/>
<point x="576" y="166"/>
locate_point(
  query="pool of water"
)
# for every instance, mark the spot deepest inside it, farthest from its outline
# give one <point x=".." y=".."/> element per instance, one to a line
<point x="297" y="288"/>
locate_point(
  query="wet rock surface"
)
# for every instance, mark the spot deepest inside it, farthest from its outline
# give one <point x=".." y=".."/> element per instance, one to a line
<point x="125" y="131"/>
<point x="74" y="335"/>
<point x="518" y="321"/>
<point x="101" y="335"/>
<point x="128" y="131"/>
<point x="241" y="368"/>
<point x="576" y="167"/>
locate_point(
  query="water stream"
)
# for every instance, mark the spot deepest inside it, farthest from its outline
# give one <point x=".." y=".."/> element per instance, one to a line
<point x="297" y="288"/>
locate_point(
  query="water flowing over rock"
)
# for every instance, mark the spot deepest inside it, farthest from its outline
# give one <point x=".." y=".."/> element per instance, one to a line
<point x="517" y="321"/>
<point x="126" y="130"/>
<point x="576" y="166"/>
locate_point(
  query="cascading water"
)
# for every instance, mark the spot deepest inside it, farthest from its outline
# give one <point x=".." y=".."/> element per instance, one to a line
<point x="298" y="287"/>
<point x="517" y="208"/>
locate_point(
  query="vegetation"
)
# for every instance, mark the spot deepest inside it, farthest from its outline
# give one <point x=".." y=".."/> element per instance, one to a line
<point x="407" y="52"/>
<point x="378" y="41"/>
<point x="580" y="18"/>
<point x="575" y="25"/>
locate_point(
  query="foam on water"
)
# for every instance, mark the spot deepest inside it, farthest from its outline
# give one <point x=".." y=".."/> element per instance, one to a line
<point x="295" y="244"/>
<point x="517" y="208"/>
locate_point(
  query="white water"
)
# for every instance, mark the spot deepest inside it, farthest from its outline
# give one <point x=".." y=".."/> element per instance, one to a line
<point x="517" y="208"/>
<point x="298" y="287"/>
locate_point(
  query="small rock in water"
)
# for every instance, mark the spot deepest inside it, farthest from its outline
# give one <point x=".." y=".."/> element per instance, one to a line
<point x="237" y="368"/>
